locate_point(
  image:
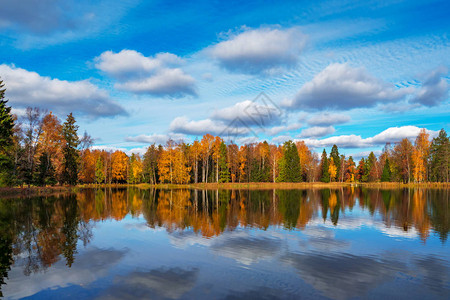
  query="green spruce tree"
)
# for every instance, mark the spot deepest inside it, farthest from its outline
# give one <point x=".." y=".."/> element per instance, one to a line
<point x="45" y="171"/>
<point x="290" y="170"/>
<point x="386" y="175"/>
<point x="440" y="158"/>
<point x="70" y="151"/>
<point x="6" y="139"/>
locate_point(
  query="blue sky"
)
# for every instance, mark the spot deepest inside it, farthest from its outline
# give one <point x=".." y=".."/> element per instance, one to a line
<point x="354" y="74"/>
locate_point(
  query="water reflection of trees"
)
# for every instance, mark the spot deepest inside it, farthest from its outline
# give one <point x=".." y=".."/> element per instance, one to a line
<point x="210" y="212"/>
<point x="39" y="231"/>
<point x="42" y="230"/>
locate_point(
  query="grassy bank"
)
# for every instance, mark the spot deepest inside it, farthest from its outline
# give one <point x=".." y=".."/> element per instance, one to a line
<point x="37" y="191"/>
<point x="276" y="185"/>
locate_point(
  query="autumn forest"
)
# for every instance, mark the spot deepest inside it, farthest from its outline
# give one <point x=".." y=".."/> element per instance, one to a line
<point x="40" y="149"/>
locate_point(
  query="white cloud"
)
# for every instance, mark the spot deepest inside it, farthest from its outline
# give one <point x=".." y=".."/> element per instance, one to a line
<point x="390" y="135"/>
<point x="25" y="88"/>
<point x="20" y="112"/>
<point x="434" y="89"/>
<point x="316" y="131"/>
<point x="251" y="113"/>
<point x="342" y="141"/>
<point x="260" y="50"/>
<point x="235" y="120"/>
<point x="201" y="127"/>
<point x="327" y="119"/>
<point x="341" y="87"/>
<point x="136" y="73"/>
<point x="159" y="139"/>
<point x="141" y="151"/>
<point x="395" y="134"/>
<point x="172" y="82"/>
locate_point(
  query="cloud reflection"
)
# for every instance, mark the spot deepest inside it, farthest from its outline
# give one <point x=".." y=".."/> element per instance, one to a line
<point x="155" y="284"/>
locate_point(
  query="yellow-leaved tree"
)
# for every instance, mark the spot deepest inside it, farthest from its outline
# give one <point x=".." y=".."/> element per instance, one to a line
<point x="172" y="164"/>
<point x="332" y="169"/>
<point x="419" y="156"/>
<point x="119" y="165"/>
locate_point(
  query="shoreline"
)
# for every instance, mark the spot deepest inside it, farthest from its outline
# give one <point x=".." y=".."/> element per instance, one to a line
<point x="41" y="191"/>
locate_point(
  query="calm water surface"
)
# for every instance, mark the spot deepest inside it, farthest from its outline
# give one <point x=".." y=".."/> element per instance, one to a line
<point x="264" y="244"/>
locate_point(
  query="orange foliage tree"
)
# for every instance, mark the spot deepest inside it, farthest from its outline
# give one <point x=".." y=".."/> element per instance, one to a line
<point x="419" y="156"/>
<point x="172" y="164"/>
<point x="119" y="165"/>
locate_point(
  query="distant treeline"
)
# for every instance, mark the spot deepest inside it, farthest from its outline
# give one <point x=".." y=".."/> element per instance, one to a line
<point x="40" y="150"/>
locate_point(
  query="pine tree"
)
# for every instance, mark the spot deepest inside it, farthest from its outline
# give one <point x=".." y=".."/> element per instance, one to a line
<point x="440" y="158"/>
<point x="6" y="139"/>
<point x="325" y="175"/>
<point x="386" y="176"/>
<point x="290" y="170"/>
<point x="70" y="151"/>
<point x="46" y="171"/>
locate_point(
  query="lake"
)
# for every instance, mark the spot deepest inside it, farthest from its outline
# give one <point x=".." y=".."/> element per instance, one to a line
<point x="227" y="244"/>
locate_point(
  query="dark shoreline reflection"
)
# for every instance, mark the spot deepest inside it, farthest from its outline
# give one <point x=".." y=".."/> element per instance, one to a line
<point x="39" y="232"/>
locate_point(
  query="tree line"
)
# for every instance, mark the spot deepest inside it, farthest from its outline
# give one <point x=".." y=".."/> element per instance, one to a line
<point x="40" y="149"/>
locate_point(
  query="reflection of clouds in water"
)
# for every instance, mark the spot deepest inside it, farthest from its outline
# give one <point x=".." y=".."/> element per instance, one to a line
<point x="397" y="232"/>
<point x="155" y="284"/>
<point x="319" y="232"/>
<point x="324" y="261"/>
<point x="356" y="223"/>
<point x="435" y="273"/>
<point x="248" y="250"/>
<point x="238" y="245"/>
<point x="88" y="267"/>
<point x="184" y="239"/>
<point x="322" y="239"/>
<point x="342" y="276"/>
<point x="137" y="226"/>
